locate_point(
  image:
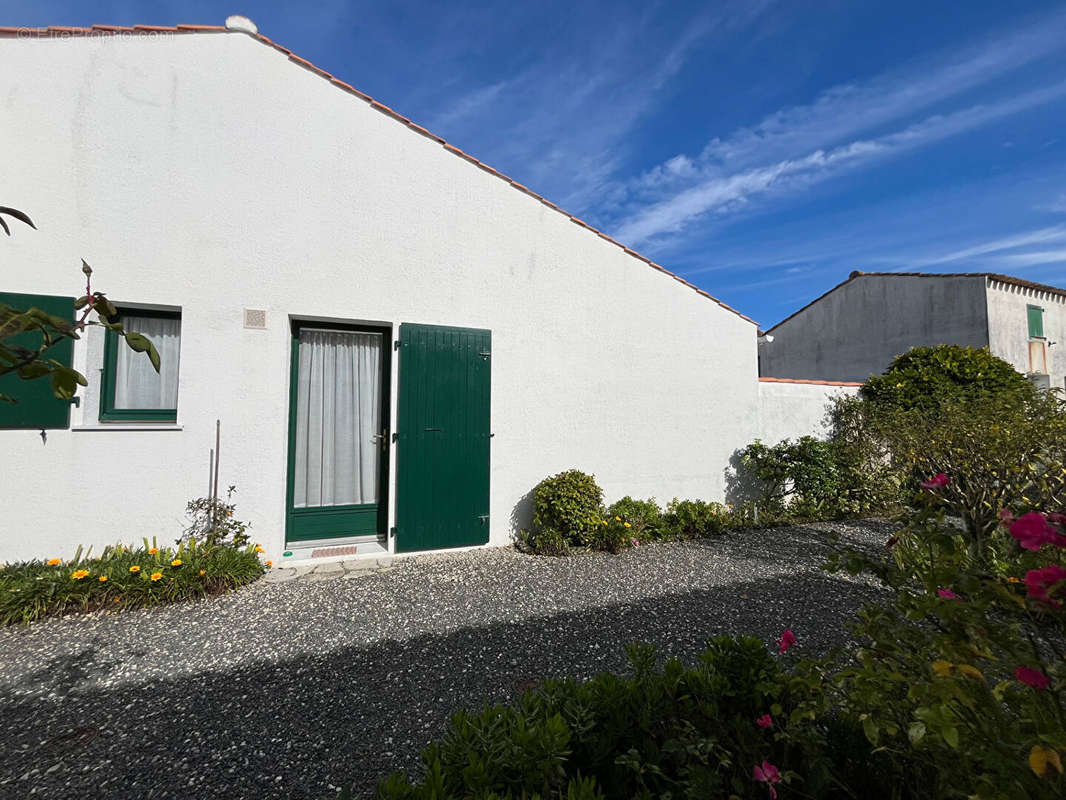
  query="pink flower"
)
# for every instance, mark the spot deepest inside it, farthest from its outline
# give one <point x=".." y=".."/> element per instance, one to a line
<point x="1006" y="517"/>
<point x="1032" y="677"/>
<point x="1040" y="584"/>
<point x="788" y="638"/>
<point x="1032" y="530"/>
<point x="938" y="481"/>
<point x="767" y="773"/>
<point x="947" y="594"/>
<point x="765" y="721"/>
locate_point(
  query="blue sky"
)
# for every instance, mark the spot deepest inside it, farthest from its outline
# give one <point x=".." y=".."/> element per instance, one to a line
<point x="761" y="149"/>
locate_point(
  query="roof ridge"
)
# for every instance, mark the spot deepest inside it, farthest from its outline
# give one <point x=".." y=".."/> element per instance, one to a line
<point x="58" y="31"/>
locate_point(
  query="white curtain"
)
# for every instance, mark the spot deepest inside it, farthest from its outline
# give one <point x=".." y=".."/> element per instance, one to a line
<point x="137" y="384"/>
<point x="338" y="413"/>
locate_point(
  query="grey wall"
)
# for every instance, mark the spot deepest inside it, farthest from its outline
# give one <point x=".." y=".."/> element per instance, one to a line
<point x="858" y="328"/>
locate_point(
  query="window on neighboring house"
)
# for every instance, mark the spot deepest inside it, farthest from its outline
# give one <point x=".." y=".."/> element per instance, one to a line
<point x="1036" y="322"/>
<point x="35" y="406"/>
<point x="131" y="389"/>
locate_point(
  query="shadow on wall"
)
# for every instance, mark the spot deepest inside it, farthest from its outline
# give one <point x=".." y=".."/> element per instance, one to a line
<point x="522" y="515"/>
<point x="740" y="485"/>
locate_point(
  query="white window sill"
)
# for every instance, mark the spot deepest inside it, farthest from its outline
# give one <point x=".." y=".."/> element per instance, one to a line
<point x="128" y="426"/>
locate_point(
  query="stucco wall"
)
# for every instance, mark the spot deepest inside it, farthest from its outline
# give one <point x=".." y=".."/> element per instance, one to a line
<point x="791" y="409"/>
<point x="1009" y="327"/>
<point x="210" y="173"/>
<point x="858" y="328"/>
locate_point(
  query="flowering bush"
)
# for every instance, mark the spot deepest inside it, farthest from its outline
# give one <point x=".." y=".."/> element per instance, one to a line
<point x="960" y="679"/>
<point x="567" y="511"/>
<point x="123" y="577"/>
<point x="706" y="732"/>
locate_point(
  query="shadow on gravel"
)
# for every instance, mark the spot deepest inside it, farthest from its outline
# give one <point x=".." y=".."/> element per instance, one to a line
<point x="292" y="729"/>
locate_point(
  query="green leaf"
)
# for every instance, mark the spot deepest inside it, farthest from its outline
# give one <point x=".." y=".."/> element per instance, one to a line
<point x="869" y="727"/>
<point x="916" y="732"/>
<point x="951" y="736"/>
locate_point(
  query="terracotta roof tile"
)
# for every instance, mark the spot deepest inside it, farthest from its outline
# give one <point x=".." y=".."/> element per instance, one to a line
<point x="804" y="380"/>
<point x="191" y="29"/>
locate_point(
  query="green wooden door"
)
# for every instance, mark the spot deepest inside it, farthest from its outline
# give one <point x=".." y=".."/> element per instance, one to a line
<point x="338" y="436"/>
<point x="442" y="471"/>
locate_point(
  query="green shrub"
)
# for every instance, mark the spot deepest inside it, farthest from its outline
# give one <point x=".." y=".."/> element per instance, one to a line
<point x="122" y="577"/>
<point x="800" y="477"/>
<point x="999" y="452"/>
<point x="567" y="512"/>
<point x="644" y="516"/>
<point x="211" y="521"/>
<point x="868" y="481"/>
<point x="924" y="377"/>
<point x="660" y="733"/>
<point x="959" y="679"/>
<point x="693" y="519"/>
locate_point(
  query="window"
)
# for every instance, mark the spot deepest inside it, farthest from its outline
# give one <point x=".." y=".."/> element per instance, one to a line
<point x="131" y="388"/>
<point x="35" y="406"/>
<point x="1036" y="321"/>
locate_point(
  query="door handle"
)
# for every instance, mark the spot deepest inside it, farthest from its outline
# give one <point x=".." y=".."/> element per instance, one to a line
<point x="381" y="439"/>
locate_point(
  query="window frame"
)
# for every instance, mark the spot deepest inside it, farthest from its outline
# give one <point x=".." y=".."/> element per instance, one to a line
<point x="1029" y="308"/>
<point x="108" y="412"/>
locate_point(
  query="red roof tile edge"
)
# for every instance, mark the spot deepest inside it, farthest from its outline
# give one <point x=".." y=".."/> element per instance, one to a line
<point x="184" y="29"/>
<point x="805" y="380"/>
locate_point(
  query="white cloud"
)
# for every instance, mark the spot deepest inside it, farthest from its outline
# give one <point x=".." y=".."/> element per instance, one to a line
<point x="720" y="193"/>
<point x="1034" y="258"/>
<point x="1041" y="236"/>
<point x="801" y="145"/>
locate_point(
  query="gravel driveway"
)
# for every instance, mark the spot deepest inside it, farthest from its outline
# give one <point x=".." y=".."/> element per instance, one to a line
<point x="293" y="689"/>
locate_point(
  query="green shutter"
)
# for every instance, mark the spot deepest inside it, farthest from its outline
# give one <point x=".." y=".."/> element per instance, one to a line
<point x="442" y="469"/>
<point x="37" y="407"/>
<point x="1036" y="322"/>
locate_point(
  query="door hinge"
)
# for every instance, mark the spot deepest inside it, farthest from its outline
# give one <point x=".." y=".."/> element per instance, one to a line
<point x="485" y="356"/>
<point x="392" y="532"/>
<point x="483" y="518"/>
<point x="396" y="345"/>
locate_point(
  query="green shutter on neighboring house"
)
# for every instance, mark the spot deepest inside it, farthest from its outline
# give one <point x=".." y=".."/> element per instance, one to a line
<point x="1036" y="322"/>
<point x="37" y="407"/>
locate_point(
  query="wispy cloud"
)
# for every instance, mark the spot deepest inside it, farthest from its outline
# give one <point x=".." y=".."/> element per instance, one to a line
<point x="727" y="192"/>
<point x="560" y="120"/>
<point x="1041" y="236"/>
<point x="1035" y="257"/>
<point x="802" y="145"/>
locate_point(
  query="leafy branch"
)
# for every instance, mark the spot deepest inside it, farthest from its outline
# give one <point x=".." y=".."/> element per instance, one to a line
<point x="32" y="363"/>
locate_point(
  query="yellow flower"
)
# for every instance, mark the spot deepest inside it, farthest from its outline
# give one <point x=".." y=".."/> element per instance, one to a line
<point x="103" y="579"/>
<point x="259" y="549"/>
<point x="973" y="673"/>
<point x="605" y="522"/>
<point x="942" y="668"/>
<point x="627" y="525"/>
<point x="1012" y="579"/>
<point x="153" y="550"/>
<point x="54" y="562"/>
<point x="176" y="562"/>
<point x="1042" y="760"/>
<point x="156" y="576"/>
<point x="270" y="563"/>
<point x="203" y="572"/>
<point x="135" y="568"/>
<point x="78" y="574"/>
<point x="618" y="518"/>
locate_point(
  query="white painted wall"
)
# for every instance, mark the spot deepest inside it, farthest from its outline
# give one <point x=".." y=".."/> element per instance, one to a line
<point x="210" y="173"/>
<point x="1008" y="327"/>
<point x="791" y="409"/>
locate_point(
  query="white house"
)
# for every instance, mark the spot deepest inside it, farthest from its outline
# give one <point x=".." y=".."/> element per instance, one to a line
<point x="855" y="329"/>
<point x="399" y="341"/>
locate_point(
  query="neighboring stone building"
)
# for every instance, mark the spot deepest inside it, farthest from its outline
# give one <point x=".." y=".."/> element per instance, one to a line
<point x="856" y="328"/>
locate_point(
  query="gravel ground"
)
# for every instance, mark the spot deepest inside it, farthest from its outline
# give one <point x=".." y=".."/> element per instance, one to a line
<point x="293" y="689"/>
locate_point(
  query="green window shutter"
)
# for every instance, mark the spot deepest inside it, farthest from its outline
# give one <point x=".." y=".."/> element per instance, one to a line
<point x="1036" y="322"/>
<point x="36" y="406"/>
